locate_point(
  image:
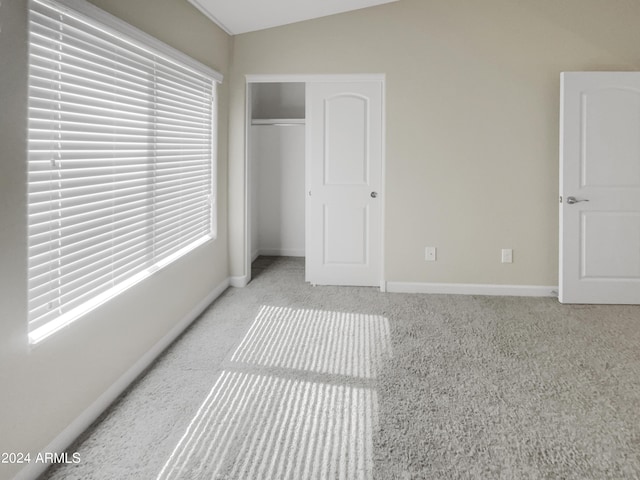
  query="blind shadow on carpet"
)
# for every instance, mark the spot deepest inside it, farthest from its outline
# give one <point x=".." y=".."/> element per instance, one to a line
<point x="297" y="399"/>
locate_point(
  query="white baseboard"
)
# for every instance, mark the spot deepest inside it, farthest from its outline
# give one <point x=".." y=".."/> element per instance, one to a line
<point x="59" y="444"/>
<point x="282" y="252"/>
<point x="239" y="282"/>
<point x="473" y="289"/>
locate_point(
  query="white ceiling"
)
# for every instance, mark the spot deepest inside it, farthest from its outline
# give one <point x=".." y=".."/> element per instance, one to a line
<point x="241" y="16"/>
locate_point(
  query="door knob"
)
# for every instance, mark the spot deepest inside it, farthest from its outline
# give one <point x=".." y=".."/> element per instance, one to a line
<point x="374" y="194"/>
<point x="572" y="200"/>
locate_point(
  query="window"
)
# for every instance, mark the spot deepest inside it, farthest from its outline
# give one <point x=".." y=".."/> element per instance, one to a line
<point x="121" y="162"/>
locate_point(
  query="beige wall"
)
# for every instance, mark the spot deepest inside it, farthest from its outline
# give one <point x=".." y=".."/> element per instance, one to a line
<point x="472" y="121"/>
<point x="44" y="389"/>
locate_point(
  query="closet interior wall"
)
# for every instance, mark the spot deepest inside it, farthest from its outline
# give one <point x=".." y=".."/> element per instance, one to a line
<point x="277" y="156"/>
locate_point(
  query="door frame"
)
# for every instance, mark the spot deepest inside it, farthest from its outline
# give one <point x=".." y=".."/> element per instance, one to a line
<point x="248" y="186"/>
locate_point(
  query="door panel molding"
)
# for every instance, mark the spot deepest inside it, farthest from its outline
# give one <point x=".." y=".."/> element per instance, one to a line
<point x="337" y="115"/>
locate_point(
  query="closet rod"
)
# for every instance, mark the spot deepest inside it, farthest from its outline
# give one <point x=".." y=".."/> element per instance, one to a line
<point x="279" y="122"/>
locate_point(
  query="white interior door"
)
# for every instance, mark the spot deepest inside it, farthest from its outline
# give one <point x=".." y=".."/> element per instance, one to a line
<point x="344" y="183"/>
<point x="600" y="188"/>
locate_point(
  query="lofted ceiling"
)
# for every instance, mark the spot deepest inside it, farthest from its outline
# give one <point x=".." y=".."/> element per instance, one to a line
<point x="242" y="16"/>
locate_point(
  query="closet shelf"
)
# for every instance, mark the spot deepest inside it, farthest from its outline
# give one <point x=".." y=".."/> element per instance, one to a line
<point x="283" y="122"/>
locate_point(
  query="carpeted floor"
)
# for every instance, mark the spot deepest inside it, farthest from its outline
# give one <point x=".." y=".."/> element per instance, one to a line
<point x="282" y="380"/>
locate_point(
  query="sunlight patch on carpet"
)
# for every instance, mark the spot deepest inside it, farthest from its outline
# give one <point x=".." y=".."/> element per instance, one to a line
<point x="321" y="341"/>
<point x="257" y="424"/>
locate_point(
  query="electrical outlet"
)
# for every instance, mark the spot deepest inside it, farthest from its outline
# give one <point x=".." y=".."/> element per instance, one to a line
<point x="430" y="254"/>
<point x="507" y="255"/>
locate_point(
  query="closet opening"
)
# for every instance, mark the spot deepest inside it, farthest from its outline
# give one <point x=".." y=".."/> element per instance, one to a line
<point x="276" y="167"/>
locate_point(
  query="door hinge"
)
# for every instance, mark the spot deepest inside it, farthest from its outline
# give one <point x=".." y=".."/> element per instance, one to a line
<point x="560" y="198"/>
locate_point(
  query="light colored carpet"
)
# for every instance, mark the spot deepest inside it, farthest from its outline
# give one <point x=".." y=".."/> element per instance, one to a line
<point x="282" y="380"/>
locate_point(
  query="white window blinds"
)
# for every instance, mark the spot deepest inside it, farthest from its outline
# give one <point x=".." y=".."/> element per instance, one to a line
<point x="121" y="163"/>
